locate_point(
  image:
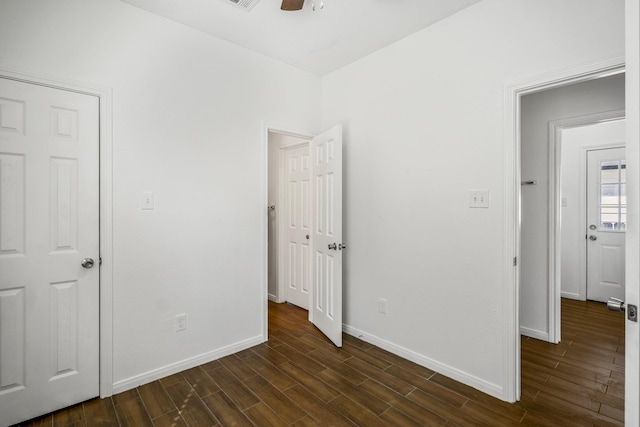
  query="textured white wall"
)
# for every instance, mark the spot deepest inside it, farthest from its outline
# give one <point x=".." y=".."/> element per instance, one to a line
<point x="538" y="110"/>
<point x="575" y="142"/>
<point x="187" y="125"/>
<point x="424" y="123"/>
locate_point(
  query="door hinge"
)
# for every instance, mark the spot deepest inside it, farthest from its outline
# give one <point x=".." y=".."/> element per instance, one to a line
<point x="515" y="261"/>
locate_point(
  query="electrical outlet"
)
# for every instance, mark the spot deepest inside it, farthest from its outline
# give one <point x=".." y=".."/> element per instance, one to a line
<point x="181" y="322"/>
<point x="383" y="306"/>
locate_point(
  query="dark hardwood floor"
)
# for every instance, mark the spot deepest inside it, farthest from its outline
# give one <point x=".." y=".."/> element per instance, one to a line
<point x="298" y="378"/>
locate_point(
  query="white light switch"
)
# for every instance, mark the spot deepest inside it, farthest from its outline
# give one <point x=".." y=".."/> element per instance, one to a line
<point x="147" y="201"/>
<point x="478" y="198"/>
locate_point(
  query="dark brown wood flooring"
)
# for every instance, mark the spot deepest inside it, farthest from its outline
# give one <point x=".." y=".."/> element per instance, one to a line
<point x="298" y="378"/>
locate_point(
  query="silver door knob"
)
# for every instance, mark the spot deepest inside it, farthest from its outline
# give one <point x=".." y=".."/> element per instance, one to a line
<point x="342" y="246"/>
<point x="615" y="304"/>
<point x="333" y="246"/>
<point x="87" y="262"/>
<point x="592" y="237"/>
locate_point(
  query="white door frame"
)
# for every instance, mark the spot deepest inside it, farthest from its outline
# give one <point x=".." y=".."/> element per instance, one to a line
<point x="106" y="206"/>
<point x="284" y="130"/>
<point x="512" y="206"/>
<point x="555" y="206"/>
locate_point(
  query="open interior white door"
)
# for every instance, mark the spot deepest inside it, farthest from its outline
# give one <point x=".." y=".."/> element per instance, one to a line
<point x="326" y="236"/>
<point x="632" y="285"/>
<point x="49" y="231"/>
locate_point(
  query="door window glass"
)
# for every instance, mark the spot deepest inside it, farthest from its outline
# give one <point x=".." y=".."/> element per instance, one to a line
<point x="613" y="195"/>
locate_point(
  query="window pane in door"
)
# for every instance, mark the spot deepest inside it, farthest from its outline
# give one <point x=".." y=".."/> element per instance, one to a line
<point x="613" y="195"/>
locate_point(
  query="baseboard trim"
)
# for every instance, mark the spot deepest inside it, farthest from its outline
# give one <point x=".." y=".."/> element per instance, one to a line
<point x="272" y="297"/>
<point x="534" y="333"/>
<point x="439" y="367"/>
<point x="164" y="371"/>
<point x="571" y="295"/>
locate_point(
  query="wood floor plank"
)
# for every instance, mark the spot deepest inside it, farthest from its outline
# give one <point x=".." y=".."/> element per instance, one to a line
<point x="238" y="367"/>
<point x="132" y="413"/>
<point x="353" y="392"/>
<point x="262" y="415"/>
<point x="191" y="408"/>
<point x="384" y="377"/>
<point x="356" y="413"/>
<point x="311" y="382"/>
<point x="403" y="404"/>
<point x="270" y="372"/>
<point x="270" y="354"/>
<point x="225" y="411"/>
<point x="318" y="409"/>
<point x="278" y="401"/>
<point x="100" y="412"/>
<point x="346" y="371"/>
<point x="200" y="381"/>
<point x="43" y="421"/>
<point x="300" y="359"/>
<point x="170" y="419"/>
<point x="155" y="399"/>
<point x="73" y="416"/>
<point x="237" y="391"/>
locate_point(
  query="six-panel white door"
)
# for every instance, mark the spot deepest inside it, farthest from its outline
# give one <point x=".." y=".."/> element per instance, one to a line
<point x="298" y="226"/>
<point x="49" y="222"/>
<point x="606" y="223"/>
<point x="326" y="239"/>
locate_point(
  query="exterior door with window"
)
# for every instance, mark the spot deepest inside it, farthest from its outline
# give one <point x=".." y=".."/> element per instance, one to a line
<point x="606" y="223"/>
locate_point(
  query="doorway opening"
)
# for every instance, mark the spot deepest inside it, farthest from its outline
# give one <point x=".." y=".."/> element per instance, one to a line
<point x="536" y="317"/>
<point x="307" y="229"/>
<point x="289" y="211"/>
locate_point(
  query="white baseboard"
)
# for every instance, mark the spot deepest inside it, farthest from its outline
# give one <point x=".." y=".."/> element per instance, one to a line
<point x="571" y="295"/>
<point x="272" y="298"/>
<point x="439" y="367"/>
<point x="534" y="333"/>
<point x="164" y="371"/>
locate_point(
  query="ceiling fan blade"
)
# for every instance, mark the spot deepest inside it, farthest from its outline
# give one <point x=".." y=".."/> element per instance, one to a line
<point x="292" y="4"/>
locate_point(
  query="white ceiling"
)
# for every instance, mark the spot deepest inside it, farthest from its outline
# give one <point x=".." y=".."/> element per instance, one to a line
<point x="319" y="42"/>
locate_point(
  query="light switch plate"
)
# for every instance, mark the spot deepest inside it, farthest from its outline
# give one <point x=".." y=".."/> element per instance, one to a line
<point x="147" y="202"/>
<point x="478" y="198"/>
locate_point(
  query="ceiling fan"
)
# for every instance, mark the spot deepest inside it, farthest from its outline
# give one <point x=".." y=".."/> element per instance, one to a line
<point x="297" y="4"/>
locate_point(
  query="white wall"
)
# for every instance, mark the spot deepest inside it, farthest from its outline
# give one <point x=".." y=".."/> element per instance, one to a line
<point x="537" y="110"/>
<point x="575" y="143"/>
<point x="424" y="123"/>
<point x="187" y="125"/>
